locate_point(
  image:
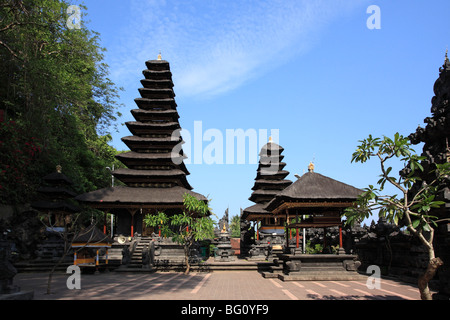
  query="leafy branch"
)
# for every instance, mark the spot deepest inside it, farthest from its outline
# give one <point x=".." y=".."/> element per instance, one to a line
<point x="193" y="224"/>
<point x="413" y="210"/>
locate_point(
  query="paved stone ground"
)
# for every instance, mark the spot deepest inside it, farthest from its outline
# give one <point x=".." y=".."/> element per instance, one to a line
<point x="220" y="285"/>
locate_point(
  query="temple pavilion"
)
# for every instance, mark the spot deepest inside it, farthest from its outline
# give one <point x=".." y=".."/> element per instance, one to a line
<point x="313" y="201"/>
<point x="269" y="181"/>
<point x="155" y="176"/>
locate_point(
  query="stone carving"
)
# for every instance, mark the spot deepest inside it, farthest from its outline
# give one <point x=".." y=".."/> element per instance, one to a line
<point x="292" y="266"/>
<point x="7" y="270"/>
<point x="351" y="265"/>
<point x="126" y="256"/>
<point x="148" y="256"/>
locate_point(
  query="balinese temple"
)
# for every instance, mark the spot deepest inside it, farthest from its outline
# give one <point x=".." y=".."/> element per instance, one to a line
<point x="436" y="150"/>
<point x="313" y="201"/>
<point x="155" y="176"/>
<point x="269" y="181"/>
<point x="57" y="200"/>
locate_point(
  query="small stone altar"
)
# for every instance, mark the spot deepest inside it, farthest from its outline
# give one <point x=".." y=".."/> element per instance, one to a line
<point x="321" y="267"/>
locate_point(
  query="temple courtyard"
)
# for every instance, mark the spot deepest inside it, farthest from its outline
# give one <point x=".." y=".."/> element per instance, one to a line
<point x="217" y="285"/>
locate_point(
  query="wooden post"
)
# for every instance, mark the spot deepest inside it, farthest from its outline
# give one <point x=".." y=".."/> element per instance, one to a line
<point x="257" y="230"/>
<point x="340" y="236"/>
<point x="287" y="236"/>
<point x="132" y="212"/>
<point x="104" y="223"/>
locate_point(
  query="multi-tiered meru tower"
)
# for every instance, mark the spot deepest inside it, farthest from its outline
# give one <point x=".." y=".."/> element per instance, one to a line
<point x="269" y="181"/>
<point x="155" y="176"/>
<point x="156" y="158"/>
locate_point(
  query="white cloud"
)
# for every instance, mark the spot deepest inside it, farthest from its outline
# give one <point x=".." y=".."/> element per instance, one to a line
<point x="215" y="46"/>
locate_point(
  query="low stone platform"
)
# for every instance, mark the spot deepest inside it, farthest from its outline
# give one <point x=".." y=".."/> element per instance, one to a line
<point x="207" y="266"/>
<point x="319" y="267"/>
<point x="323" y="276"/>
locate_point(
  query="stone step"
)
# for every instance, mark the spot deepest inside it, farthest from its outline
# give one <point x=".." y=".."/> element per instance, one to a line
<point x="323" y="276"/>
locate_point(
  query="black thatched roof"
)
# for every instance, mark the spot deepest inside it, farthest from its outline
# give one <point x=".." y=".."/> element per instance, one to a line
<point x="92" y="235"/>
<point x="316" y="187"/>
<point x="57" y="178"/>
<point x="255" y="210"/>
<point x="271" y="147"/>
<point x="140" y="196"/>
<point x="269" y="180"/>
<point x="55" y="206"/>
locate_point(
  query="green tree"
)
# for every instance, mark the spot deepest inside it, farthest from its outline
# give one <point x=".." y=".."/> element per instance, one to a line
<point x="192" y="225"/>
<point x="235" y="226"/>
<point x="411" y="210"/>
<point x="56" y="100"/>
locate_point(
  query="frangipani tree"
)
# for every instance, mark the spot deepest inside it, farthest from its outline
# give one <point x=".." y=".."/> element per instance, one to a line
<point x="412" y="210"/>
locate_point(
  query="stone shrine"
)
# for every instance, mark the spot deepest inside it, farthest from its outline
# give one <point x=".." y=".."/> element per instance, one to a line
<point x="224" y="252"/>
<point x="436" y="150"/>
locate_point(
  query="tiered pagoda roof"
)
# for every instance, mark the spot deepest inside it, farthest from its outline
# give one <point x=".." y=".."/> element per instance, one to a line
<point x="155" y="173"/>
<point x="56" y="194"/>
<point x="150" y="161"/>
<point x="269" y="181"/>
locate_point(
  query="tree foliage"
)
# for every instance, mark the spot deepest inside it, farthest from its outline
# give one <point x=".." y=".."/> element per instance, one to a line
<point x="413" y="210"/>
<point x="57" y="103"/>
<point x="235" y="226"/>
<point x="192" y="225"/>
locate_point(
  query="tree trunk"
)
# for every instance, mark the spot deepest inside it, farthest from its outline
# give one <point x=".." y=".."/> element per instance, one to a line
<point x="433" y="265"/>
<point x="186" y="259"/>
<point x="50" y="275"/>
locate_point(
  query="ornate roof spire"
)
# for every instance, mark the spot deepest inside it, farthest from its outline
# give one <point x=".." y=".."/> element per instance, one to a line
<point x="311" y="167"/>
<point x="159" y="56"/>
<point x="270" y="139"/>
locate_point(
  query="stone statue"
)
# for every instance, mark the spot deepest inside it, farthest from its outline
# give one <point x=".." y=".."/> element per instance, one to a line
<point x="7" y="270"/>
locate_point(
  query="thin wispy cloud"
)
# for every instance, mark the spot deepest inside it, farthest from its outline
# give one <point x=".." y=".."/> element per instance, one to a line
<point x="216" y="46"/>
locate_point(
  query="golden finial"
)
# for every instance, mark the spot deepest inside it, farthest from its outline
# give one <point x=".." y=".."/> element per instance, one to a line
<point x="58" y="168"/>
<point x="159" y="56"/>
<point x="270" y="139"/>
<point x="311" y="167"/>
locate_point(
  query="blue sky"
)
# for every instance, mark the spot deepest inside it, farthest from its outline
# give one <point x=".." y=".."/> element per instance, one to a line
<point x="311" y="69"/>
